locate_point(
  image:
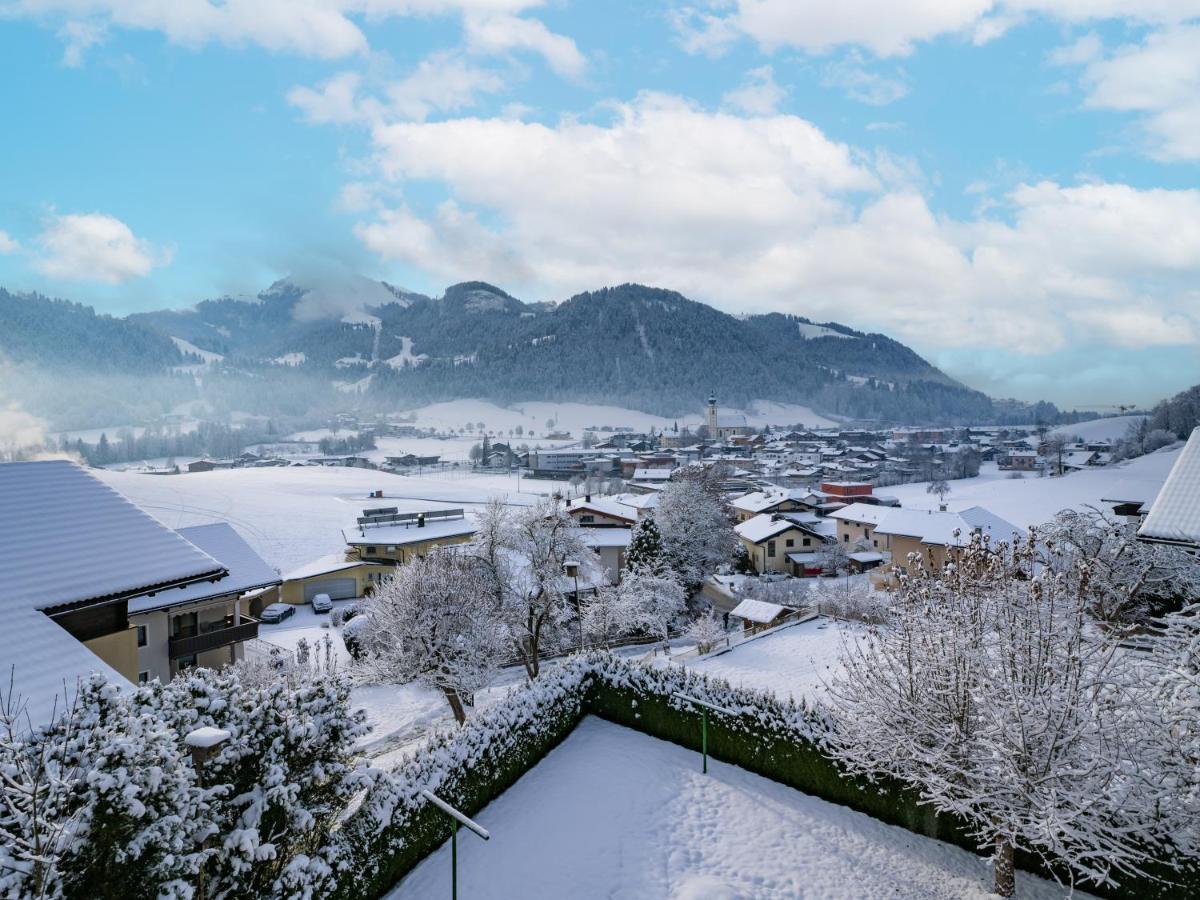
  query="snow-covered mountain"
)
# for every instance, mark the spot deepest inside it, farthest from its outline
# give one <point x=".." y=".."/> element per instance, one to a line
<point x="305" y="340"/>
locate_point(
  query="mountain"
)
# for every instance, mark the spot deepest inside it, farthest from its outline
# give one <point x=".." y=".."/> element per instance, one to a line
<point x="310" y="346"/>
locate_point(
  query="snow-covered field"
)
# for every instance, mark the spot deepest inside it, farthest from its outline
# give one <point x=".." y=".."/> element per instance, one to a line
<point x="1032" y="500"/>
<point x="291" y="516"/>
<point x="614" y="814"/>
<point x="574" y="417"/>
<point x="1110" y="428"/>
<point x="797" y="661"/>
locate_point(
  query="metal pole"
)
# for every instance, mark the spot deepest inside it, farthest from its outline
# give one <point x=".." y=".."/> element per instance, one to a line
<point x="454" y="859"/>
<point x="704" y="736"/>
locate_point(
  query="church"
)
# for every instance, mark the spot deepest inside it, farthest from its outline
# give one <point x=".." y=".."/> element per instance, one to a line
<point x="721" y="427"/>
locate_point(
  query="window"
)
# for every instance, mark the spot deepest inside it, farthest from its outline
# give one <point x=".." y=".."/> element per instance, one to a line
<point x="790" y="542"/>
<point x="143" y="677"/>
<point x="770" y="548"/>
<point x="143" y="635"/>
<point x="807" y="541"/>
<point x="587" y="520"/>
<point x="186" y="662"/>
<point x="370" y="549"/>
<point x="845" y="538"/>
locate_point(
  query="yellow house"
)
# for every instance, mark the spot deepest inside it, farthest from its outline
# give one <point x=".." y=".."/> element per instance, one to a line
<point x="757" y="503"/>
<point x="935" y="534"/>
<point x="390" y="537"/>
<point x="857" y="522"/>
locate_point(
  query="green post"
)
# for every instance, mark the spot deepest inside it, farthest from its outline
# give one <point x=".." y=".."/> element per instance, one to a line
<point x="453" y="859"/>
<point x="704" y="736"/>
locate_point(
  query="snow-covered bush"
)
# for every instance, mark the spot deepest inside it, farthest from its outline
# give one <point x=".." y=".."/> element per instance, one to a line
<point x="707" y="631"/>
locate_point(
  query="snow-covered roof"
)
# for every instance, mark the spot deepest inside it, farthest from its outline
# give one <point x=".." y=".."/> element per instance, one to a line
<point x="637" y="501"/>
<point x="247" y="570"/>
<point x="651" y="474"/>
<point x="47" y="662"/>
<point x="67" y="537"/>
<point x="334" y="562"/>
<point x="762" y="527"/>
<point x="759" y="611"/>
<point x="1175" y="513"/>
<point x="940" y="527"/>
<point x="400" y="535"/>
<point x="605" y="506"/>
<point x="866" y="556"/>
<point x="758" y="501"/>
<point x="862" y="512"/>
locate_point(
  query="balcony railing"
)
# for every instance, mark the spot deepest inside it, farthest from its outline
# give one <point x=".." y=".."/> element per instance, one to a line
<point x="210" y="639"/>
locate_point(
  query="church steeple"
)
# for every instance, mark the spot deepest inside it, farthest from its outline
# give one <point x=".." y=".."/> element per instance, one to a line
<point x="712" y="416"/>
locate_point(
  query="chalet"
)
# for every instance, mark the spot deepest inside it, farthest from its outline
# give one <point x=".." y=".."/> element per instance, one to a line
<point x="758" y="502"/>
<point x="1019" y="460"/>
<point x="66" y="605"/>
<point x="602" y="512"/>
<point x="1174" y="516"/>
<point x="386" y="535"/>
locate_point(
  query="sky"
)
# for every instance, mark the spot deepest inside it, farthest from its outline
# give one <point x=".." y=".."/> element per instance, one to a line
<point x="1012" y="187"/>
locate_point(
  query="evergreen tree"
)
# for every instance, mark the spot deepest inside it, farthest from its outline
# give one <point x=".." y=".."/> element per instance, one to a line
<point x="645" y="548"/>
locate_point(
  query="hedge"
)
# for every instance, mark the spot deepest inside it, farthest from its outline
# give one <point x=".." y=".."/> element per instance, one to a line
<point x="472" y="765"/>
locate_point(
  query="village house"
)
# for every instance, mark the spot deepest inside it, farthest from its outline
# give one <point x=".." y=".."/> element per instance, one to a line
<point x="601" y="512"/>
<point x="772" y="540"/>
<point x="66" y="613"/>
<point x="934" y="535"/>
<point x="386" y="535"/>
<point x="769" y="501"/>
<point x="202" y="624"/>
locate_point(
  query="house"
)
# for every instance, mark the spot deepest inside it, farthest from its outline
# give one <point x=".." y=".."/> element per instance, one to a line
<point x="757" y="615"/>
<point x="386" y="535"/>
<point x="74" y="553"/>
<point x="612" y="546"/>
<point x="769" y="538"/>
<point x="601" y="512"/>
<point x="770" y="501"/>
<point x="1174" y="516"/>
<point x="411" y="460"/>
<point x="335" y="575"/>
<point x="203" y="623"/>
<point x="1019" y="461"/>
<point x="935" y="535"/>
<point x="856" y="523"/>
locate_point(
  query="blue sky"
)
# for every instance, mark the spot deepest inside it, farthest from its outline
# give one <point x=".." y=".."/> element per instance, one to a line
<point x="1009" y="187"/>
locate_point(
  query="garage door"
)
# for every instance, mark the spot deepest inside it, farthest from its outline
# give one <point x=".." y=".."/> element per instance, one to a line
<point x="337" y="588"/>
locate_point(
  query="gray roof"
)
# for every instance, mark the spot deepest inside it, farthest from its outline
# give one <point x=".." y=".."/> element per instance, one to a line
<point x="247" y="570"/>
<point x="67" y="537"/>
<point x="1175" y="514"/>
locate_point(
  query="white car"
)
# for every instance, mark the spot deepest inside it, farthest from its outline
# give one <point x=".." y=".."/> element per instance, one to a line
<point x="321" y="603"/>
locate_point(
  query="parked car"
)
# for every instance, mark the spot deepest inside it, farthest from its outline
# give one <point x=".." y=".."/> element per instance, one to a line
<point x="321" y="603"/>
<point x="276" y="612"/>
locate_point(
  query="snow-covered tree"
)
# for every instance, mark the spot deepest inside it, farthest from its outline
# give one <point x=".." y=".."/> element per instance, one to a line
<point x="1128" y="578"/>
<point x="433" y="621"/>
<point x="707" y="631"/>
<point x="993" y="694"/>
<point x="939" y="488"/>
<point x="645" y="548"/>
<point x="657" y="599"/>
<point x="697" y="534"/>
<point x="525" y="555"/>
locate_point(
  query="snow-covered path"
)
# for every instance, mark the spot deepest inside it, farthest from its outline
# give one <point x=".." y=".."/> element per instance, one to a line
<point x="614" y="814"/>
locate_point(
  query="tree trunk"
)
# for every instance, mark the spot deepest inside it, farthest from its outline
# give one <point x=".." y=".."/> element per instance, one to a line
<point x="456" y="705"/>
<point x="1006" y="874"/>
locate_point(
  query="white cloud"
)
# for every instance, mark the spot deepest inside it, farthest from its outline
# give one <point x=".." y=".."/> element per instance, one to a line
<point x="95" y="247"/>
<point x="894" y="27"/>
<point x="765" y="212"/>
<point x="501" y="33"/>
<point x="852" y="76"/>
<point x="327" y="29"/>
<point x="1158" y="78"/>
<point x="442" y="82"/>
<point x="759" y="95"/>
<point x="8" y="244"/>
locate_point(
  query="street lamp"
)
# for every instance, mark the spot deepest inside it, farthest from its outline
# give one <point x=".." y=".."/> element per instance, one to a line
<point x="704" y="708"/>
<point x="204" y="743"/>
<point x="571" y="568"/>
<point x="456" y="818"/>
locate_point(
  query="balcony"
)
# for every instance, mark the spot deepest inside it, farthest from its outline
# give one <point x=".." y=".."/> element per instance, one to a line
<point x="213" y="635"/>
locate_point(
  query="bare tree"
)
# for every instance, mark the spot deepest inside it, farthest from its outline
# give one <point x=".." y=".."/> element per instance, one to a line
<point x="940" y="488"/>
<point x="991" y="692"/>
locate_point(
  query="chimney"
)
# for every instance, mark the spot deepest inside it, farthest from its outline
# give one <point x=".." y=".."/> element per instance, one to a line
<point x="420" y="520"/>
<point x="587" y="498"/>
<point x="941" y="507"/>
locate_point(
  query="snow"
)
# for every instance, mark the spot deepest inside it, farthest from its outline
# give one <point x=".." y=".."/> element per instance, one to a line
<point x="1110" y="428"/>
<point x="359" y="317"/>
<point x="188" y="347"/>
<point x="406" y="357"/>
<point x="575" y="417"/>
<point x="613" y="813"/>
<point x="354" y="387"/>
<point x="817" y="331"/>
<point x="294" y="358"/>
<point x="310" y="625"/>
<point x="759" y="611"/>
<point x="796" y="661"/>
<point x="1033" y="500"/>
<point x="1175" y="514"/>
<point x="206" y="737"/>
